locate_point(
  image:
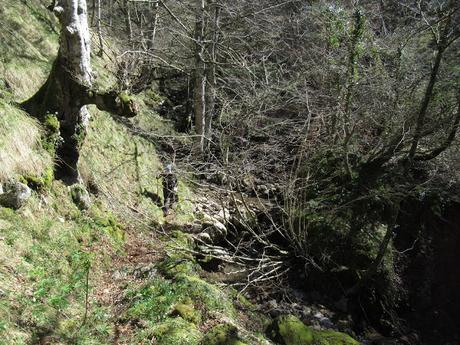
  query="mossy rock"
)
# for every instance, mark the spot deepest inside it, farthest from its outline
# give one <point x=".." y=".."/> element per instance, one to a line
<point x="289" y="330"/>
<point x="80" y="196"/>
<point x="176" y="331"/>
<point x="180" y="239"/>
<point x="223" y="334"/>
<point x="179" y="261"/>
<point x="209" y="296"/>
<point x="161" y="298"/>
<point x="187" y="312"/>
<point x="126" y="105"/>
<point x="39" y="183"/>
<point x="333" y="338"/>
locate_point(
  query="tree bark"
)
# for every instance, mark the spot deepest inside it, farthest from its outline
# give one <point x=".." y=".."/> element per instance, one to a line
<point x="68" y="89"/>
<point x="128" y="23"/>
<point x="211" y="84"/>
<point x="154" y="26"/>
<point x="200" y="74"/>
<point x="442" y="44"/>
<point x="99" y="29"/>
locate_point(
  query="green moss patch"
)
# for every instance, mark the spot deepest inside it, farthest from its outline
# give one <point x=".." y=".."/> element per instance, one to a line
<point x="39" y="183"/>
<point x="176" y="331"/>
<point x="333" y="338"/>
<point x="178" y="259"/>
<point x="187" y="312"/>
<point x="223" y="334"/>
<point x="185" y="296"/>
<point x="289" y="330"/>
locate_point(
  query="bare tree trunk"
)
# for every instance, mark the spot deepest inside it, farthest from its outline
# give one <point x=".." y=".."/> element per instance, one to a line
<point x="74" y="57"/>
<point x="352" y="73"/>
<point x="154" y="26"/>
<point x="372" y="270"/>
<point x="110" y="12"/>
<point x="128" y="23"/>
<point x="200" y="74"/>
<point x="93" y="7"/>
<point x="448" y="141"/>
<point x="68" y="88"/>
<point x="99" y="29"/>
<point x="211" y="84"/>
<point x="442" y="44"/>
<point x="383" y="247"/>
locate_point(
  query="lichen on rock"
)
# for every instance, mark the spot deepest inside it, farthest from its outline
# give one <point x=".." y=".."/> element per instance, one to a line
<point x="80" y="196"/>
<point x="15" y="195"/>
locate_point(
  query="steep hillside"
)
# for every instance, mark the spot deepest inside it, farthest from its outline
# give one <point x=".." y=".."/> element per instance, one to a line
<point x="28" y="42"/>
<point x="117" y="272"/>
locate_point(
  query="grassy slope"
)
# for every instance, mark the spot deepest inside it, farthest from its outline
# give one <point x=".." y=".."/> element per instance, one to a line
<point x="49" y="248"/>
<point x="27" y="45"/>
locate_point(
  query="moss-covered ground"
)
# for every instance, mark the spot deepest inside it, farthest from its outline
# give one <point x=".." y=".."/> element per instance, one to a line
<point x="48" y="261"/>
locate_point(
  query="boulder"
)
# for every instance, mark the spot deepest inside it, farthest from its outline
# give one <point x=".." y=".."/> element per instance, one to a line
<point x="80" y="196"/>
<point x="204" y="237"/>
<point x="15" y="195"/>
<point x="289" y="330"/>
<point x="223" y="334"/>
<point x="216" y="230"/>
<point x="187" y="312"/>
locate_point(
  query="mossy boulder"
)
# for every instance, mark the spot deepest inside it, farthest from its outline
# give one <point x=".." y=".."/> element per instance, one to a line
<point x="15" y="195"/>
<point x="332" y="338"/>
<point x="224" y="334"/>
<point x="209" y="296"/>
<point x="179" y="260"/>
<point x="161" y="298"/>
<point x="187" y="312"/>
<point x="176" y="331"/>
<point x="173" y="266"/>
<point x="289" y="330"/>
<point x="39" y="183"/>
<point x="80" y="196"/>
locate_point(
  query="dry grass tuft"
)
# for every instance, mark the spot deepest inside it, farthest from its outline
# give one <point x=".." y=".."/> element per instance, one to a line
<point x="20" y="149"/>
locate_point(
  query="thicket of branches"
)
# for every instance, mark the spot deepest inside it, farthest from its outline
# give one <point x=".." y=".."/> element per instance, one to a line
<point x="344" y="109"/>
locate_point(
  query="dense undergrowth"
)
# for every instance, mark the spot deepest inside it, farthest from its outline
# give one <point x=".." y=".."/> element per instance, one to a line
<point x="53" y="255"/>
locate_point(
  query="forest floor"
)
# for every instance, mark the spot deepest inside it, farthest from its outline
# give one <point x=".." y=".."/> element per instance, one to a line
<point x="142" y="251"/>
